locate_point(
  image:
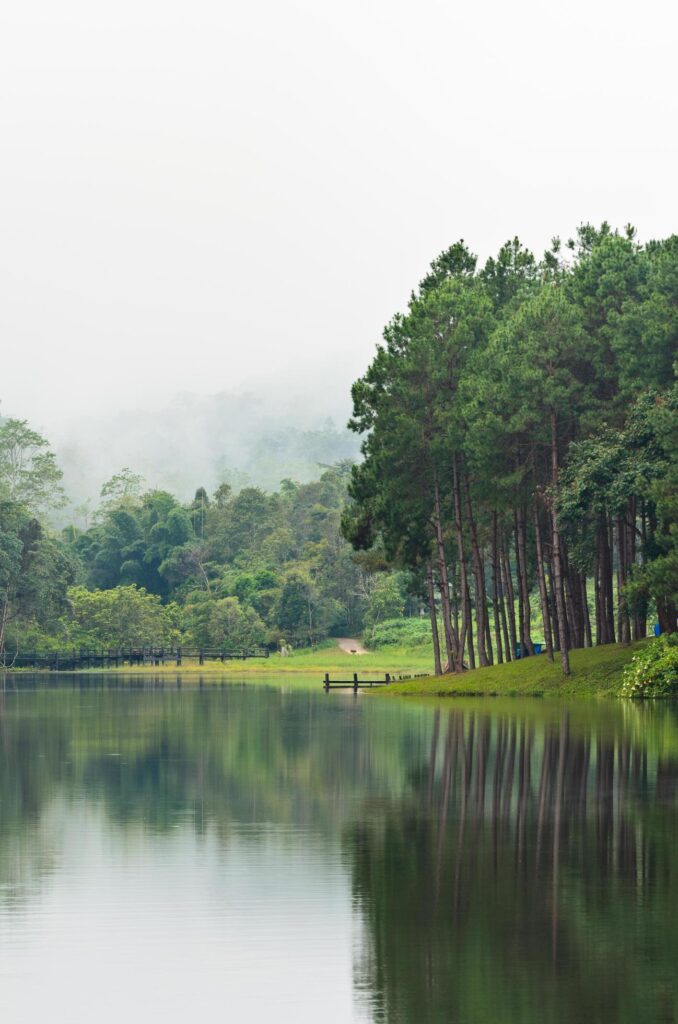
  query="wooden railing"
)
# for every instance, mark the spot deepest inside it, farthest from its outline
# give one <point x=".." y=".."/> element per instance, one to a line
<point x="71" y="660"/>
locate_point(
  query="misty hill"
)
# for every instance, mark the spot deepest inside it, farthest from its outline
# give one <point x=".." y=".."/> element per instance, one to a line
<point x="196" y="441"/>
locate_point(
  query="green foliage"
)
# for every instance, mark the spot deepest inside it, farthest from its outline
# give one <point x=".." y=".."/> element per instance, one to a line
<point x="301" y="611"/>
<point x="125" y="616"/>
<point x="653" y="672"/>
<point x="399" y="633"/>
<point x="521" y="421"/>
<point x="280" y="555"/>
<point x="386" y="601"/>
<point x="225" y="624"/>
<point x="35" y="572"/>
<point x="122" y="490"/>
<point x="29" y="473"/>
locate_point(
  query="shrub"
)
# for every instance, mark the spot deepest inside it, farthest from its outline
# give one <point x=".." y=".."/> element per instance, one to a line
<point x="386" y="601"/>
<point x="399" y="633"/>
<point x="653" y="671"/>
<point x="120" y="617"/>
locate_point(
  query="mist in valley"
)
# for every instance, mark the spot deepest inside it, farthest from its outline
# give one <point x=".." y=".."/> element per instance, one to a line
<point x="254" y="436"/>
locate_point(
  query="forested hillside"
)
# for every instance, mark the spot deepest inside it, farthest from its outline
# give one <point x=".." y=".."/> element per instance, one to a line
<point x="519" y="479"/>
<point x="228" y="570"/>
<point x="520" y="426"/>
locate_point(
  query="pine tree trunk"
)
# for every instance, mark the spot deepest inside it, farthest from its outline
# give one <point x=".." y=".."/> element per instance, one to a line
<point x="524" y="611"/>
<point x="666" y="613"/>
<point x="450" y="640"/>
<point x="570" y="598"/>
<point x="434" y="619"/>
<point x="588" y="638"/>
<point x="469" y="633"/>
<point x="495" y="591"/>
<point x="574" y="602"/>
<point x="605" y="584"/>
<point x="598" y="598"/>
<point x="510" y="598"/>
<point x="488" y="640"/>
<point x="610" y="580"/>
<point x="607" y="635"/>
<point x="557" y="567"/>
<point x="543" y="596"/>
<point x="554" y="606"/>
<point x="623" y="631"/>
<point x="478" y="580"/>
<point x="466" y="628"/>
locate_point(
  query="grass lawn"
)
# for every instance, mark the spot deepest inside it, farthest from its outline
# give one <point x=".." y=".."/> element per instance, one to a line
<point x="596" y="672"/>
<point x="315" y="663"/>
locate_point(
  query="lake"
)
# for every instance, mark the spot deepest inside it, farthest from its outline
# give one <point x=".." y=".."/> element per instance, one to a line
<point x="256" y="853"/>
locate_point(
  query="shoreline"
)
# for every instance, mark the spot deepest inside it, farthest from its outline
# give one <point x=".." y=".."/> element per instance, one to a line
<point x="312" y="664"/>
<point x="596" y="672"/>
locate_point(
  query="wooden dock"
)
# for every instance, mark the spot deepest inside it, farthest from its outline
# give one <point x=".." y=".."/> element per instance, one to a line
<point x="354" y="684"/>
<point x="72" y="660"/>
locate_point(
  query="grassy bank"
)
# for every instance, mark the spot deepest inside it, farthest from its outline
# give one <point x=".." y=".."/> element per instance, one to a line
<point x="596" y="672"/>
<point x="312" y="663"/>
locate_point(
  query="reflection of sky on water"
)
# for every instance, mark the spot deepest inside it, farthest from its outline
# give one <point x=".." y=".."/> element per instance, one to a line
<point x="178" y="927"/>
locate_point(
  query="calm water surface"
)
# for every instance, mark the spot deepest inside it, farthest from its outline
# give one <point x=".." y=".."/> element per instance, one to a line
<point x="244" y="854"/>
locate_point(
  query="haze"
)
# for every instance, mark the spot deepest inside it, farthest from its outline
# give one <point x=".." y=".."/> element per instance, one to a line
<point x="219" y="197"/>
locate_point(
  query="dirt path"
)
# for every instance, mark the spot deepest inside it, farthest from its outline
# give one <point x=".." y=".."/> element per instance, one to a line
<point x="349" y="645"/>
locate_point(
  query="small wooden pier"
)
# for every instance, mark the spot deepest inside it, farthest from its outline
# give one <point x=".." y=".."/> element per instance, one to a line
<point x="354" y="684"/>
<point x="72" y="660"/>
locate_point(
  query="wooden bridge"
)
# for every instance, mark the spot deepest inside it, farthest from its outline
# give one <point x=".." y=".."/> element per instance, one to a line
<point x="71" y="660"/>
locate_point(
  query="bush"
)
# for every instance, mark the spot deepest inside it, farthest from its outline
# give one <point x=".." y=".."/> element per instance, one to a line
<point x="386" y="602"/>
<point x="399" y="633"/>
<point x="653" y="671"/>
<point x="121" y="617"/>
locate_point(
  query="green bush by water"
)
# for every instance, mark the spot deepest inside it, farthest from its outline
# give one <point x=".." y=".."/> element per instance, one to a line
<point x="653" y="671"/>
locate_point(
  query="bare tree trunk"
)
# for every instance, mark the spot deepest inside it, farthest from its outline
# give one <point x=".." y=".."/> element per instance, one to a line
<point x="495" y="591"/>
<point x="607" y="635"/>
<point x="623" y="631"/>
<point x="469" y="633"/>
<point x="510" y="598"/>
<point x="557" y="567"/>
<point x="666" y="613"/>
<point x="488" y="640"/>
<point x="524" y="612"/>
<point x="588" y="639"/>
<point x="554" y="607"/>
<point x="478" y="580"/>
<point x="598" y="598"/>
<point x="451" y="643"/>
<point x="466" y="627"/>
<point x="543" y="596"/>
<point x="434" y="619"/>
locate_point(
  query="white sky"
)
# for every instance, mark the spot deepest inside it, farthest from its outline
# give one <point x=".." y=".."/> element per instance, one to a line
<point x="197" y="195"/>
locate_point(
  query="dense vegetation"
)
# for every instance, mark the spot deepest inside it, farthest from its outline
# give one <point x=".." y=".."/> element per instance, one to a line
<point x="519" y="479"/>
<point x="227" y="570"/>
<point x="520" y="446"/>
<point x="653" y="671"/>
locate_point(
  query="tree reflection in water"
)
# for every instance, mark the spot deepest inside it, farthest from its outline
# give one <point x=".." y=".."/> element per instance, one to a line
<point x="509" y="861"/>
<point x="532" y="876"/>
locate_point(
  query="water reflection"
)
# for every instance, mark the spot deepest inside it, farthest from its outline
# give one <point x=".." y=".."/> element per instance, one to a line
<point x="531" y="875"/>
<point x="255" y="854"/>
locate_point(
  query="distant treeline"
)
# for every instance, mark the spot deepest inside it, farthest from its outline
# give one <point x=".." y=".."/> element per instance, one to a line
<point x="520" y="426"/>
<point x="226" y="570"/>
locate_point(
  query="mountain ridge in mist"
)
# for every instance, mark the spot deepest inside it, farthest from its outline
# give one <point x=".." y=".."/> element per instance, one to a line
<point x="243" y="439"/>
